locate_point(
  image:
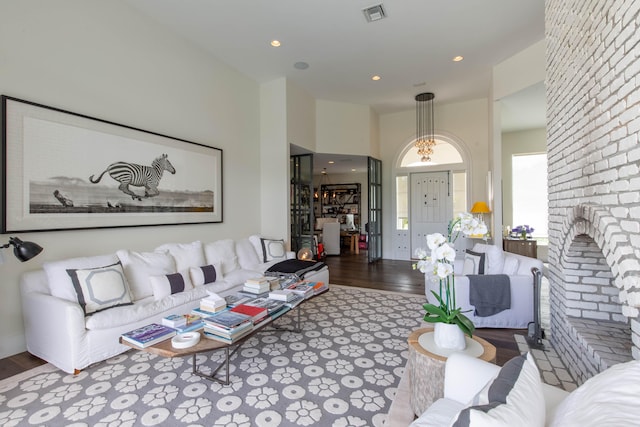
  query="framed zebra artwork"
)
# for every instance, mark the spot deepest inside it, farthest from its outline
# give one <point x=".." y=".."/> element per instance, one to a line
<point x="63" y="171"/>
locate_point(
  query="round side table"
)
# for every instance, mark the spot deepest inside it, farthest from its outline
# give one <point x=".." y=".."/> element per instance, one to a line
<point x="426" y="366"/>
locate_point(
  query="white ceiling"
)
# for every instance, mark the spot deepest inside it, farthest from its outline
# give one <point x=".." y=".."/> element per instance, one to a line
<point x="411" y="49"/>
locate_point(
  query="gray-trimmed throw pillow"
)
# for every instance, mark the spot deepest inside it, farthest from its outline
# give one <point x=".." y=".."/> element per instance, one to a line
<point x="473" y="263"/>
<point x="100" y="288"/>
<point x="273" y="250"/>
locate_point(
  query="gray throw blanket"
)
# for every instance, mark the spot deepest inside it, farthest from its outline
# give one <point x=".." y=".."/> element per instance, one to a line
<point x="489" y="293"/>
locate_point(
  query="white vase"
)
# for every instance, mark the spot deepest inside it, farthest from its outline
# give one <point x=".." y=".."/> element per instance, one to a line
<point x="449" y="336"/>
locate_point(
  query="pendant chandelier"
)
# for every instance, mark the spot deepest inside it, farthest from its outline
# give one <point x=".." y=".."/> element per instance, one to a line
<point x="424" y="126"/>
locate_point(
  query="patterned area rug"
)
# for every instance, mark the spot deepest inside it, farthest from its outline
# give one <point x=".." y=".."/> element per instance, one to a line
<point x="342" y="370"/>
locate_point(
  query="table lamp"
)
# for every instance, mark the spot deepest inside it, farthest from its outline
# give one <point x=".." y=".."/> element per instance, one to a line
<point x="24" y="251"/>
<point x="480" y="208"/>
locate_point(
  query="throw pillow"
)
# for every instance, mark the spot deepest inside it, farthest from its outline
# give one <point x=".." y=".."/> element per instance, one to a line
<point x="223" y="253"/>
<point x="473" y="263"/>
<point x="513" y="398"/>
<point x="185" y="254"/>
<point x="58" y="279"/>
<point x="494" y="258"/>
<point x="608" y="399"/>
<point x="170" y="284"/>
<point x="100" y="288"/>
<point x="203" y="275"/>
<point x="273" y="250"/>
<point x="139" y="266"/>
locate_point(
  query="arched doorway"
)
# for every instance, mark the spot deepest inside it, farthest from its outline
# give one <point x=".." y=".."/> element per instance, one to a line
<point x="428" y="194"/>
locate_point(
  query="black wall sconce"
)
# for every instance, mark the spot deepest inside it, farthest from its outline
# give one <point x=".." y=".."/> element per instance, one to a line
<point x="24" y="251"/>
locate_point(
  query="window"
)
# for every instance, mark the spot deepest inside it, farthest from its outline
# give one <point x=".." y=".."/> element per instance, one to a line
<point x="459" y="192"/>
<point x="443" y="154"/>
<point x="530" y="201"/>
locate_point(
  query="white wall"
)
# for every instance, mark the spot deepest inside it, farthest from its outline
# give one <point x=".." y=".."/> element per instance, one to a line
<point x="103" y="59"/>
<point x="343" y="128"/>
<point x="467" y="121"/>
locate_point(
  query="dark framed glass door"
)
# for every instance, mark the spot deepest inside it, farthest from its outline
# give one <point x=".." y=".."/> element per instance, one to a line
<point x="302" y="202"/>
<point x="374" y="225"/>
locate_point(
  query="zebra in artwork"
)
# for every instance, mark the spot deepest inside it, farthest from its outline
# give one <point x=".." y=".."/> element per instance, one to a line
<point x="138" y="176"/>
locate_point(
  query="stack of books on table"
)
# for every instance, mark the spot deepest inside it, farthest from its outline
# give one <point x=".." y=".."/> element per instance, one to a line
<point x="233" y="300"/>
<point x="257" y="314"/>
<point x="148" y="335"/>
<point x="287" y="296"/>
<point x="227" y="327"/>
<point x="304" y="289"/>
<point x="257" y="286"/>
<point x="275" y="308"/>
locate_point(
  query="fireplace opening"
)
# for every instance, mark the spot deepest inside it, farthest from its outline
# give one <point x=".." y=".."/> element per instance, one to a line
<point x="589" y="329"/>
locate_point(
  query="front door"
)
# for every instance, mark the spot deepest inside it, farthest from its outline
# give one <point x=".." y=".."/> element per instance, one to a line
<point x="431" y="206"/>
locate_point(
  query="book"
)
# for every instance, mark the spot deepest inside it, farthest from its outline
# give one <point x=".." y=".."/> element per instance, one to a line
<point x="319" y="288"/>
<point x="191" y="327"/>
<point x="203" y="313"/>
<point x="295" y="301"/>
<point x="233" y="300"/>
<point x="256" y="313"/>
<point x="227" y="319"/>
<point x="304" y="289"/>
<point x="228" y="333"/>
<point x="257" y="289"/>
<point x="174" y="320"/>
<point x="213" y="302"/>
<point x="256" y="281"/>
<point x="253" y="295"/>
<point x="226" y="340"/>
<point x="148" y="335"/>
<point x="270" y="304"/>
<point x="282" y="294"/>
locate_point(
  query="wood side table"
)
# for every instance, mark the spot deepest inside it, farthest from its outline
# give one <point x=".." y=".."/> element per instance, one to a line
<point x="426" y="368"/>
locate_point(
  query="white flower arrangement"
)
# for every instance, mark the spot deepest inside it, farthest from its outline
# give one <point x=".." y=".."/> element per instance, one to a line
<point x="438" y="266"/>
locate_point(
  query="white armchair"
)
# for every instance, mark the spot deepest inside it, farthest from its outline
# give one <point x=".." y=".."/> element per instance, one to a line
<point x="517" y="267"/>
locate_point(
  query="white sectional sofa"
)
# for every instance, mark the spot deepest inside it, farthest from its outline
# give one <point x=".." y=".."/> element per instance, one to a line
<point x="496" y="261"/>
<point x="76" y="309"/>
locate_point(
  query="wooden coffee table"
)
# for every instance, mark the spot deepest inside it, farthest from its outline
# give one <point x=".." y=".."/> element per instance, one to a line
<point x="205" y="345"/>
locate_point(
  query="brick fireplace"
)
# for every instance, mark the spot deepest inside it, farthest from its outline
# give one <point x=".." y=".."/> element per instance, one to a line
<point x="593" y="125"/>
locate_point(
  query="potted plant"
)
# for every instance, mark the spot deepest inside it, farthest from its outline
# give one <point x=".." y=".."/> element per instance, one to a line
<point x="450" y="324"/>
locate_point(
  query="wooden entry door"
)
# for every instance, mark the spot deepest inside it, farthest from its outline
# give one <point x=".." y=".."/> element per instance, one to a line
<point x="431" y="206"/>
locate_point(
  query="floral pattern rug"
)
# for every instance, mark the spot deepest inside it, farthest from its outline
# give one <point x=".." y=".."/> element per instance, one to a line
<point x="341" y="370"/>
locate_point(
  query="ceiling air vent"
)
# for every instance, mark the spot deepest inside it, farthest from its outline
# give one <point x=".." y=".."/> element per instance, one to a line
<point x="374" y="13"/>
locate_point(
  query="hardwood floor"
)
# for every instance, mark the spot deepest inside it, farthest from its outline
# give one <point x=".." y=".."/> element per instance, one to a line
<point x="351" y="270"/>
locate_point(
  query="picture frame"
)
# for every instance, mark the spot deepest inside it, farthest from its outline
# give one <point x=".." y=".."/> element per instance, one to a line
<point x="67" y="171"/>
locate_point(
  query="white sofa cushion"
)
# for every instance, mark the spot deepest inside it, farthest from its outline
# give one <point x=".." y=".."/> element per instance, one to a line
<point x="513" y="398"/>
<point x="247" y="254"/>
<point x="140" y="266"/>
<point x="169" y="284"/>
<point x="60" y="284"/>
<point x="223" y="253"/>
<point x="607" y="399"/>
<point x="100" y="288"/>
<point x="185" y="254"/>
<point x="494" y="260"/>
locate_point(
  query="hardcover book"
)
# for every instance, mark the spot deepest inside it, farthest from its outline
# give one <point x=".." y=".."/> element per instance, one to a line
<point x="149" y="335"/>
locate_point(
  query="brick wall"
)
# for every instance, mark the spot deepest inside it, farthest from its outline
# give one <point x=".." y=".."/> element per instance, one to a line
<point x="593" y="125"/>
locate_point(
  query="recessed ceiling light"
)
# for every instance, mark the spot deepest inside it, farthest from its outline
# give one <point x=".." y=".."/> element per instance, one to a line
<point x="301" y="65"/>
<point x="458" y="58"/>
<point x="275" y="43"/>
<point x="376" y="78"/>
<point x="353" y="170"/>
<point x="331" y="162"/>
